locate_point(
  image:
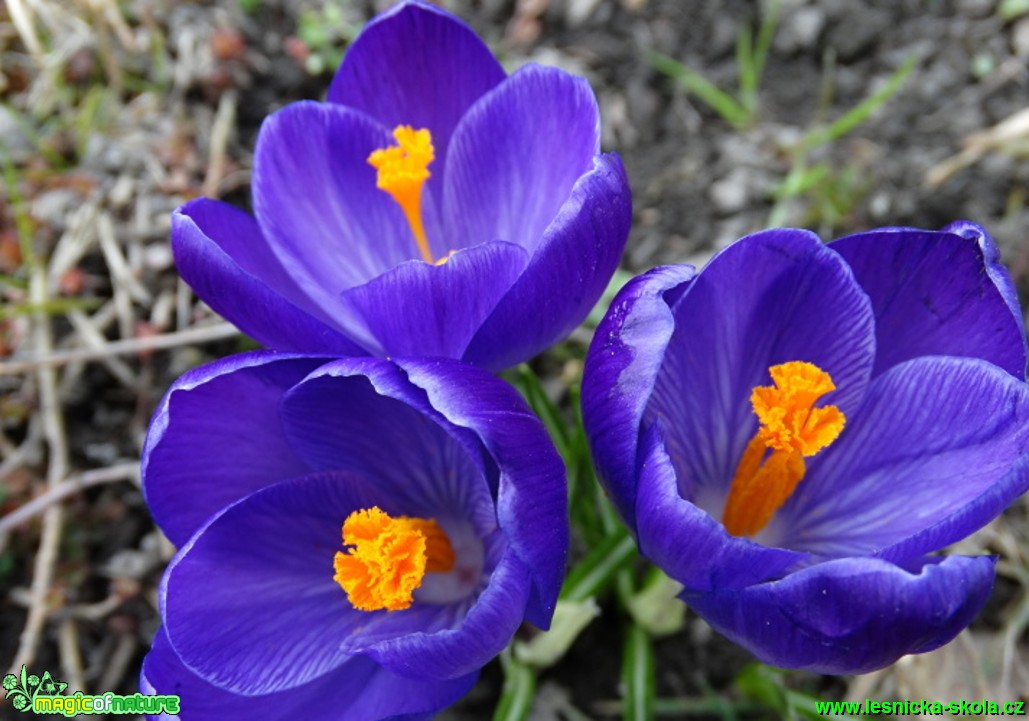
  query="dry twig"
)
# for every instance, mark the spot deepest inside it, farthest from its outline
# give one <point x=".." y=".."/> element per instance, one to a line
<point x="53" y="518"/>
<point x="191" y="336"/>
<point x="71" y="486"/>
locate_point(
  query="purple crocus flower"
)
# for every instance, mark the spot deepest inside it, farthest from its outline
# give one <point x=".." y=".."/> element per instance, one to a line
<point x="359" y="547"/>
<point x="793" y="431"/>
<point x="433" y="206"/>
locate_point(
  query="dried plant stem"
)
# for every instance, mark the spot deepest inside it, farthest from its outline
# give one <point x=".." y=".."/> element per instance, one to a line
<point x="221" y="131"/>
<point x="118" y="662"/>
<point x="17" y="457"/>
<point x="71" y="654"/>
<point x="191" y="336"/>
<point x="74" y="484"/>
<point x="1012" y="661"/>
<point x="95" y="612"/>
<point x="93" y="338"/>
<point x="22" y="19"/>
<point x="57" y="469"/>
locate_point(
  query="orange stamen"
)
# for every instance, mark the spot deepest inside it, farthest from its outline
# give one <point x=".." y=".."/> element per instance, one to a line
<point x="403" y="170"/>
<point x="791" y="428"/>
<point x="389" y="558"/>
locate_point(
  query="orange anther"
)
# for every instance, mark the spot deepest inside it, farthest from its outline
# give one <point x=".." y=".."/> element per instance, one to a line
<point x="791" y="428"/>
<point x="403" y="169"/>
<point x="389" y="558"/>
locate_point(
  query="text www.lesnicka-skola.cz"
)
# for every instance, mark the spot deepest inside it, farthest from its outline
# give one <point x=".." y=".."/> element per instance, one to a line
<point x="922" y="707"/>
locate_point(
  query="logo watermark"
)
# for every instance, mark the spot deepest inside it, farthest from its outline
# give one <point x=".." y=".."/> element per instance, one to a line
<point x="44" y="695"/>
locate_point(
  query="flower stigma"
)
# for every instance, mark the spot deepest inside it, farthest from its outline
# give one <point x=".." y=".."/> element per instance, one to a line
<point x="403" y="169"/>
<point x="389" y="558"/>
<point x="791" y="429"/>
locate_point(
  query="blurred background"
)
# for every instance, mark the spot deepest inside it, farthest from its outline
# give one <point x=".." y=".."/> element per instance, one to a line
<point x="731" y="116"/>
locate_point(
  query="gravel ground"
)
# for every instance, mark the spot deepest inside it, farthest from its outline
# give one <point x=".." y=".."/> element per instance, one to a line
<point x="114" y="113"/>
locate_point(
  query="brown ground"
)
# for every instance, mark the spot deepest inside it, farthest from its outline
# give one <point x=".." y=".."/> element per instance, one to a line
<point x="113" y="113"/>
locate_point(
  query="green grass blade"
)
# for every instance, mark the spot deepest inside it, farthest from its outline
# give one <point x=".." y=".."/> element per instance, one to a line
<point x="13" y="281"/>
<point x="638" y="675"/>
<point x="17" y="203"/>
<point x="519" y="689"/>
<point x="599" y="568"/>
<point x="746" y="68"/>
<point x="767" y="686"/>
<point x="765" y="33"/>
<point x="54" y="306"/>
<point x="709" y="93"/>
<point x="26" y="126"/>
<point x="860" y="112"/>
<point x="800" y="179"/>
<point x="529" y="385"/>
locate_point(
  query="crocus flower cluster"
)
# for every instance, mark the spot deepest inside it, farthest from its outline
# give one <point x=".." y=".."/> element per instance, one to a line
<point x="433" y="206"/>
<point x="793" y="432"/>
<point x="365" y="515"/>
<point x="358" y="536"/>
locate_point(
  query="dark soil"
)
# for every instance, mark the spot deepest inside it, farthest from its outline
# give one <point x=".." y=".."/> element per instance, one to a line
<point x="698" y="183"/>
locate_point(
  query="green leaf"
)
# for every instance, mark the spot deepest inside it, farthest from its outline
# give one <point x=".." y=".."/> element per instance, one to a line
<point x="767" y="686"/>
<point x="546" y="649"/>
<point x="656" y="607"/>
<point x="717" y="99"/>
<point x="638" y="675"/>
<point x="761" y="683"/>
<point x="861" y="112"/>
<point x="745" y="64"/>
<point x="598" y="569"/>
<point x="1013" y="9"/>
<point x="529" y="385"/>
<point x="799" y="180"/>
<point x="518" y="691"/>
<point x="764" y="40"/>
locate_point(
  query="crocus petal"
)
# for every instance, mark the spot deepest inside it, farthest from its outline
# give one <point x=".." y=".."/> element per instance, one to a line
<point x="516" y="155"/>
<point x="417" y="65"/>
<point x="931" y="296"/>
<point x="220" y="252"/>
<point x="687" y="543"/>
<point x="618" y="377"/>
<point x="199" y="458"/>
<point x="484" y="632"/>
<point x="772" y="297"/>
<point x="362" y="691"/>
<point x="567" y="274"/>
<point x="434" y="310"/>
<point x="851" y="615"/>
<point x="492" y="424"/>
<point x="531" y="493"/>
<point x="363" y="417"/>
<point x="933" y="435"/>
<point x="994" y="268"/>
<point x="250" y="603"/>
<point x="975" y="514"/>
<point x="316" y="199"/>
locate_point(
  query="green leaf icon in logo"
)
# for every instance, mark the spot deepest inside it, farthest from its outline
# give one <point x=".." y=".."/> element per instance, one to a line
<point x="22" y="691"/>
<point x="49" y="686"/>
